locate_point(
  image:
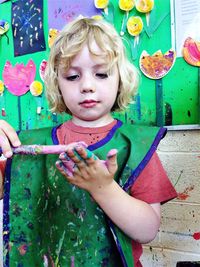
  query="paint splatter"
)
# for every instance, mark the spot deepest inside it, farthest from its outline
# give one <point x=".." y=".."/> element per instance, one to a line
<point x="72" y="261"/>
<point x="23" y="249"/>
<point x="196" y="236"/>
<point x="45" y="261"/>
<point x="168" y="114"/>
<point x="16" y="210"/>
<point x="185" y="194"/>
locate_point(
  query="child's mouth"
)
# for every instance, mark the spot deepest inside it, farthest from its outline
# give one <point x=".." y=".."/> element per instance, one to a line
<point x="89" y="103"/>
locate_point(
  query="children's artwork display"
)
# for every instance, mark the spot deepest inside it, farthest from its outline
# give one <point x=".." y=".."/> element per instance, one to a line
<point x="61" y="12"/>
<point x="27" y="26"/>
<point x="156" y="67"/>
<point x="169" y="87"/>
<point x="18" y="78"/>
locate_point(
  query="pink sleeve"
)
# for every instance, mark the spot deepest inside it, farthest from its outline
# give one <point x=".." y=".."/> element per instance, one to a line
<point x="153" y="184"/>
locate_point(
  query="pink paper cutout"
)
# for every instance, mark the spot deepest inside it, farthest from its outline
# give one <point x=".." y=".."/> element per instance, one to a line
<point x="43" y="65"/>
<point x="18" y="78"/>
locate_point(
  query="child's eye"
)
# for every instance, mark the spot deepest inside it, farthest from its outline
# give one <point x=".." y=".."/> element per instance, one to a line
<point x="72" y="77"/>
<point x="102" y="75"/>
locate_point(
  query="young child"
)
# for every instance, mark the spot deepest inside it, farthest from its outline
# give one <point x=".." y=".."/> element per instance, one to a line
<point x="110" y="203"/>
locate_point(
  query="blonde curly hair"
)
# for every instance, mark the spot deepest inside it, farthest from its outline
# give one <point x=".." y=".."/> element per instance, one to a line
<point x="69" y="43"/>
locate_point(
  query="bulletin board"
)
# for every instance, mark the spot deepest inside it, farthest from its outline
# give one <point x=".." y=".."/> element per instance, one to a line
<point x="174" y="98"/>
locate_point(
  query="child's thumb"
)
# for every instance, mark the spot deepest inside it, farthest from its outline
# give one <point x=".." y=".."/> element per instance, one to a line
<point x="111" y="161"/>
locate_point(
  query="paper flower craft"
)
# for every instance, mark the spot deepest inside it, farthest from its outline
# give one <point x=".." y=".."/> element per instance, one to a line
<point x="125" y="5"/>
<point x="1" y="87"/>
<point x="36" y="88"/>
<point x="52" y="36"/>
<point x="4" y="27"/>
<point x="17" y="79"/>
<point x="2" y="100"/>
<point x="102" y="4"/>
<point x="157" y="65"/>
<point x="191" y="52"/>
<point x="42" y="68"/>
<point x="97" y="17"/>
<point x="134" y="25"/>
<point x="145" y="6"/>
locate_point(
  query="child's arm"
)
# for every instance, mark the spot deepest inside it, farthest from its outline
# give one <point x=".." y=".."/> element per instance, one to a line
<point x="136" y="218"/>
<point x="8" y="138"/>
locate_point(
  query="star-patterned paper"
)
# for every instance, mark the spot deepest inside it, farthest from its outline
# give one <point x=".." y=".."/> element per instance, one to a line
<point x="27" y="26"/>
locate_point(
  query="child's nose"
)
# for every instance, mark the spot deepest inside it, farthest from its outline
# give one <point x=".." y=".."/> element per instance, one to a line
<point x="87" y="85"/>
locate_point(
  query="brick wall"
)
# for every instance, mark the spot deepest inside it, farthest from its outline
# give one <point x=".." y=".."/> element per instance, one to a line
<point x="179" y="235"/>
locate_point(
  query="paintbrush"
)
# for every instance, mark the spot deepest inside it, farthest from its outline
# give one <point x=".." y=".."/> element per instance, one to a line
<point x="43" y="149"/>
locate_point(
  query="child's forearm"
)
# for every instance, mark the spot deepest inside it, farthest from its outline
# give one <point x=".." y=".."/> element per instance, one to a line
<point x="137" y="219"/>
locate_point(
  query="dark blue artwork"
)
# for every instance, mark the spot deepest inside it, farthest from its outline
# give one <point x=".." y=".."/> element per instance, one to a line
<point x="27" y="27"/>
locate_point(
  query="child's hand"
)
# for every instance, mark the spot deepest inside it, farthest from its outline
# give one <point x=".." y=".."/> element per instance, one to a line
<point x="8" y="137"/>
<point x="82" y="168"/>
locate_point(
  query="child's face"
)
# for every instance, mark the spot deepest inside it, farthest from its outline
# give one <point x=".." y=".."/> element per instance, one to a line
<point x="89" y="90"/>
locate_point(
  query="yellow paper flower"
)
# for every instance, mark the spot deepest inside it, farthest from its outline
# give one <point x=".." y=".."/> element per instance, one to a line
<point x="126" y="5"/>
<point x="52" y="36"/>
<point x="101" y="3"/>
<point x="4" y="27"/>
<point x="134" y="25"/>
<point x="144" y="6"/>
<point x="97" y="17"/>
<point x="1" y="87"/>
<point x="36" y="88"/>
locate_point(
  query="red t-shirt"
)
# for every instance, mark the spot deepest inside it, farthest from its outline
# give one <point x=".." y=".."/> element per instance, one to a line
<point x="152" y="185"/>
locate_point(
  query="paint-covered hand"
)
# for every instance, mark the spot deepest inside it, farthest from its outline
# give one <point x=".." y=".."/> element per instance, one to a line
<point x="8" y="138"/>
<point x="84" y="169"/>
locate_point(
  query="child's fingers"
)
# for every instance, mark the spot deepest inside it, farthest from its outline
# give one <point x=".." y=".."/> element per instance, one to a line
<point x="86" y="155"/>
<point x="8" y="132"/>
<point x="8" y="137"/>
<point x="67" y="172"/>
<point x="67" y="162"/>
<point x="63" y="168"/>
<point x="75" y="144"/>
<point x="5" y="145"/>
<point x="74" y="156"/>
<point x="64" y="156"/>
<point x="111" y="161"/>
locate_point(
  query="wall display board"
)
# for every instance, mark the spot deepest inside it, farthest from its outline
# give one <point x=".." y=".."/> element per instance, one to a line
<point x="169" y="89"/>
